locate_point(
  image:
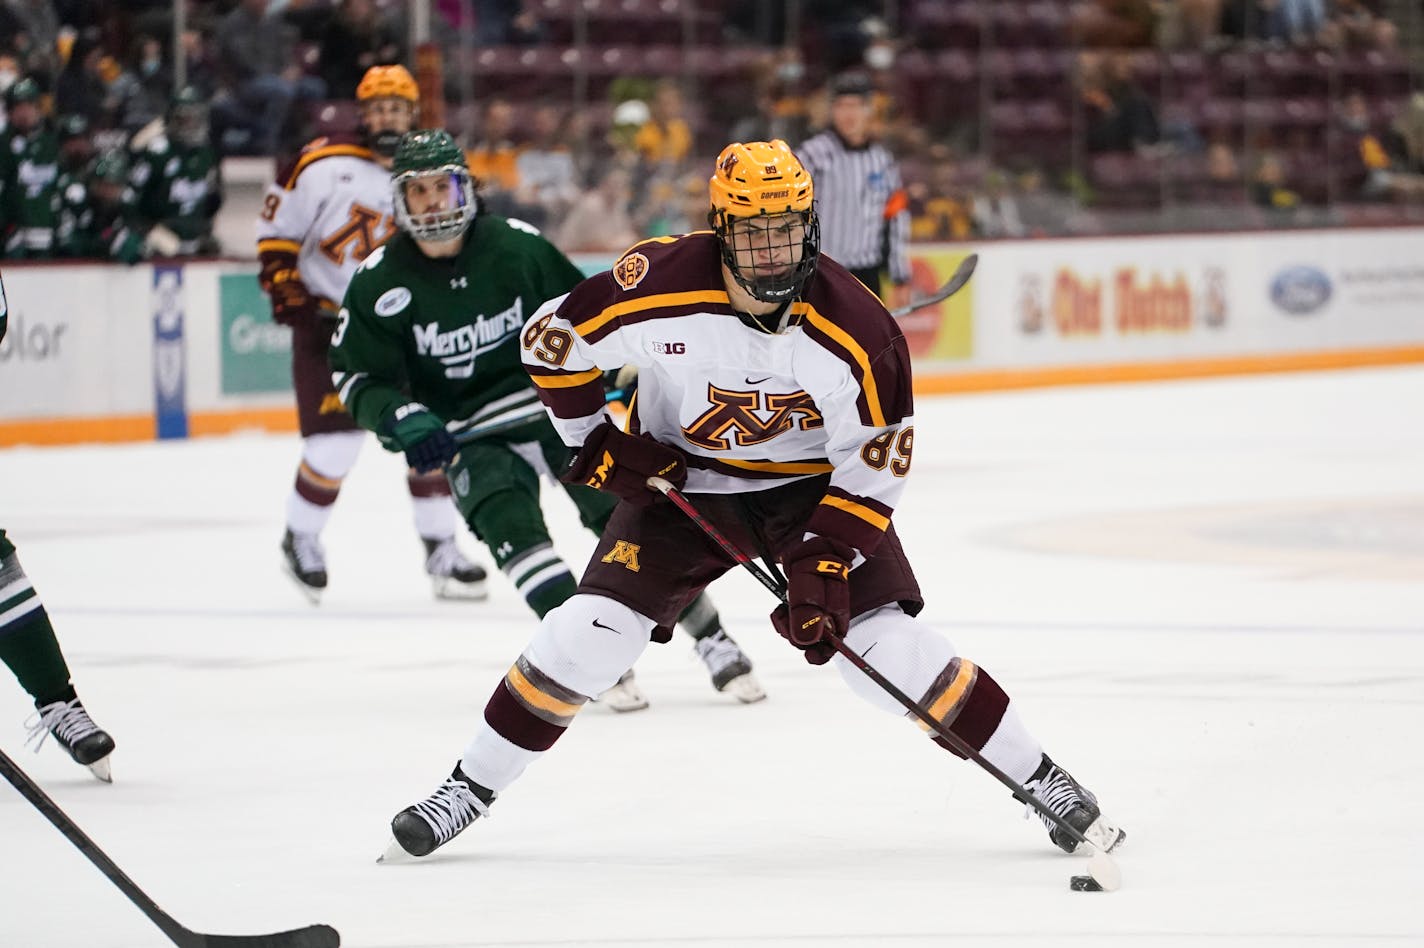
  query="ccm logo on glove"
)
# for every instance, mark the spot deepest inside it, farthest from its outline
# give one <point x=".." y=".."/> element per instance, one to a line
<point x="621" y="464"/>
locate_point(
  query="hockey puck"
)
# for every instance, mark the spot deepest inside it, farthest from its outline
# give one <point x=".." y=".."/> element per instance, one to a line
<point x="1084" y="884"/>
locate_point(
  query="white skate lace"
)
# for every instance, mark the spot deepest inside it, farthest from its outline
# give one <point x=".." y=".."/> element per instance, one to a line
<point x="446" y="559"/>
<point x="718" y="651"/>
<point x="450" y="809"/>
<point x="307" y="549"/>
<point x="1058" y="792"/>
<point x="67" y="720"/>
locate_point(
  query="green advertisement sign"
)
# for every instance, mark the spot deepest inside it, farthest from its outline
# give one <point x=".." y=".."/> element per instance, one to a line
<point x="256" y="352"/>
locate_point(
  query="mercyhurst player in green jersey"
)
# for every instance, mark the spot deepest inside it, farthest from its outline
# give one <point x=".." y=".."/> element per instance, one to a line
<point x="426" y="354"/>
<point x="30" y="650"/>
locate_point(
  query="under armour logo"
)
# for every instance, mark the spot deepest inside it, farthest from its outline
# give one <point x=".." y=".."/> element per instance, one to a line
<point x="459" y="283"/>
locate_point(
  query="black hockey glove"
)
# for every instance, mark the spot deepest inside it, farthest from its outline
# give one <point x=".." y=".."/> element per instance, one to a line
<point x="621" y="464"/>
<point x="418" y="432"/>
<point x="818" y="591"/>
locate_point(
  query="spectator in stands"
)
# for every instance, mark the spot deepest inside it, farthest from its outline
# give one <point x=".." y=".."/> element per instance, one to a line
<point x="1223" y="174"/>
<point x="664" y="142"/>
<point x="1269" y="190"/>
<point x="143" y="89"/>
<point x="1192" y="24"/>
<point x="1120" y="116"/>
<point x="548" y="177"/>
<point x="29" y="176"/>
<point x="31" y="31"/>
<point x="996" y="212"/>
<point x="82" y="87"/>
<point x="508" y="22"/>
<point x="263" y="79"/>
<point x="356" y="38"/>
<point x="1365" y="170"/>
<point x="494" y="161"/>
<point x="1358" y="24"/>
<point x="601" y="220"/>
<point x="1115" y="23"/>
<point x="1405" y="140"/>
<point x="780" y="106"/>
<point x="939" y="208"/>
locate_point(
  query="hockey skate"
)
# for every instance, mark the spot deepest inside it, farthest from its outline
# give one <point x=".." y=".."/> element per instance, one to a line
<point x="305" y="562"/>
<point x="730" y="668"/>
<point x="76" y="732"/>
<point x="1066" y="797"/>
<point x="452" y="576"/>
<point x="421" y="829"/>
<point x="625" y="695"/>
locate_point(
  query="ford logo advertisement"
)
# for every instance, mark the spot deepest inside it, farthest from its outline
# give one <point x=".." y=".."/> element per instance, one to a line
<point x="1300" y="290"/>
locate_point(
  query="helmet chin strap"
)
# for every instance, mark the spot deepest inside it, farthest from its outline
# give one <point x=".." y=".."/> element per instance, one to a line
<point x="385" y="143"/>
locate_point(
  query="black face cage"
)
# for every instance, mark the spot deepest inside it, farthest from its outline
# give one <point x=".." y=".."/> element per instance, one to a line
<point x="761" y="282"/>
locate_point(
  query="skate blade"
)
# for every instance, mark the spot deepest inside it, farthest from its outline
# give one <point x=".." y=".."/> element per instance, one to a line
<point x="623" y="698"/>
<point x="745" y="688"/>
<point x="100" y="768"/>
<point x="1104" y="836"/>
<point x="312" y="593"/>
<point x="394" y="855"/>
<point x="453" y="590"/>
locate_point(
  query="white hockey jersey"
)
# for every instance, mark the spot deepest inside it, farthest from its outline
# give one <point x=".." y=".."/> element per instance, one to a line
<point x="329" y="209"/>
<point x="829" y="396"/>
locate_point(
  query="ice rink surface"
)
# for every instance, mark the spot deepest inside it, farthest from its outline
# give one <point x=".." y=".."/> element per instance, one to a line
<point x="1206" y="598"/>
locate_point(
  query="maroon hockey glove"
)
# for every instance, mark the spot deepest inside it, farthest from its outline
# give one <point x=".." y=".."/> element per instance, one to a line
<point x="621" y="463"/>
<point x="818" y="591"/>
<point x="292" y="302"/>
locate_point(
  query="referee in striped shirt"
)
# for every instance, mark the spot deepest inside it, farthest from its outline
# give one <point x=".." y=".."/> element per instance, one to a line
<point x="860" y="200"/>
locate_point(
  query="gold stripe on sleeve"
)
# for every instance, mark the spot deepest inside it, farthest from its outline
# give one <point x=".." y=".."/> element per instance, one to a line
<point x="867" y="382"/>
<point x="876" y="520"/>
<point x="566" y="381"/>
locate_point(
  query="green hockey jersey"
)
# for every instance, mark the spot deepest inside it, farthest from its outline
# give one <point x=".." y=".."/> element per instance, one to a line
<point x="445" y="332"/>
<point x="29" y="194"/>
<point x="178" y="187"/>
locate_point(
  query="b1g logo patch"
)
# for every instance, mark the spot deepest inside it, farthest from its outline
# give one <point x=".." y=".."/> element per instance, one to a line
<point x="629" y="271"/>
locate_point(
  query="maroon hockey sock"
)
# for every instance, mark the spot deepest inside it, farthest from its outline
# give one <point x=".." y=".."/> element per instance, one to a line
<point x="427" y="485"/>
<point x="531" y="710"/>
<point x="315" y="488"/>
<point x="966" y="699"/>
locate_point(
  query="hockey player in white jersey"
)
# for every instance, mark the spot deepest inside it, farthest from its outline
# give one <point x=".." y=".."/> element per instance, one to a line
<point x="776" y="390"/>
<point x="320" y="218"/>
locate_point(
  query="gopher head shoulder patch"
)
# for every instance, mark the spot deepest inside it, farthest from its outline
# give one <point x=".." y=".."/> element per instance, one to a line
<point x="630" y="270"/>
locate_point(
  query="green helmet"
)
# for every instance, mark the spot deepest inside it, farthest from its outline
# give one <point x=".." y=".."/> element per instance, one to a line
<point x="111" y="166"/>
<point x="431" y="153"/>
<point x="22" y="90"/>
<point x="187" y="118"/>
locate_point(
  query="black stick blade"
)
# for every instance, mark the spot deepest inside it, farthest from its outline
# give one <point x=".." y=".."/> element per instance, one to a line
<point x="313" y="936"/>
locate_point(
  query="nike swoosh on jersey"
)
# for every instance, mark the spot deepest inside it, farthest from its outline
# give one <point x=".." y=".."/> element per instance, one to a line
<point x="600" y="625"/>
<point x="751" y="381"/>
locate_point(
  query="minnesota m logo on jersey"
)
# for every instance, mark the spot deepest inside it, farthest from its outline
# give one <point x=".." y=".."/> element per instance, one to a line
<point x="734" y="411"/>
<point x="625" y="553"/>
<point x="357" y="235"/>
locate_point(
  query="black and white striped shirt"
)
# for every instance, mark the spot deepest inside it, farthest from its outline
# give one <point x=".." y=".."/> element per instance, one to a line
<point x="865" y="220"/>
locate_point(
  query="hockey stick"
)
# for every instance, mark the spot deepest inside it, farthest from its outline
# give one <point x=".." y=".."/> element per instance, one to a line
<point x="313" y="936"/>
<point x="1101" y="867"/>
<point x="956" y="282"/>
